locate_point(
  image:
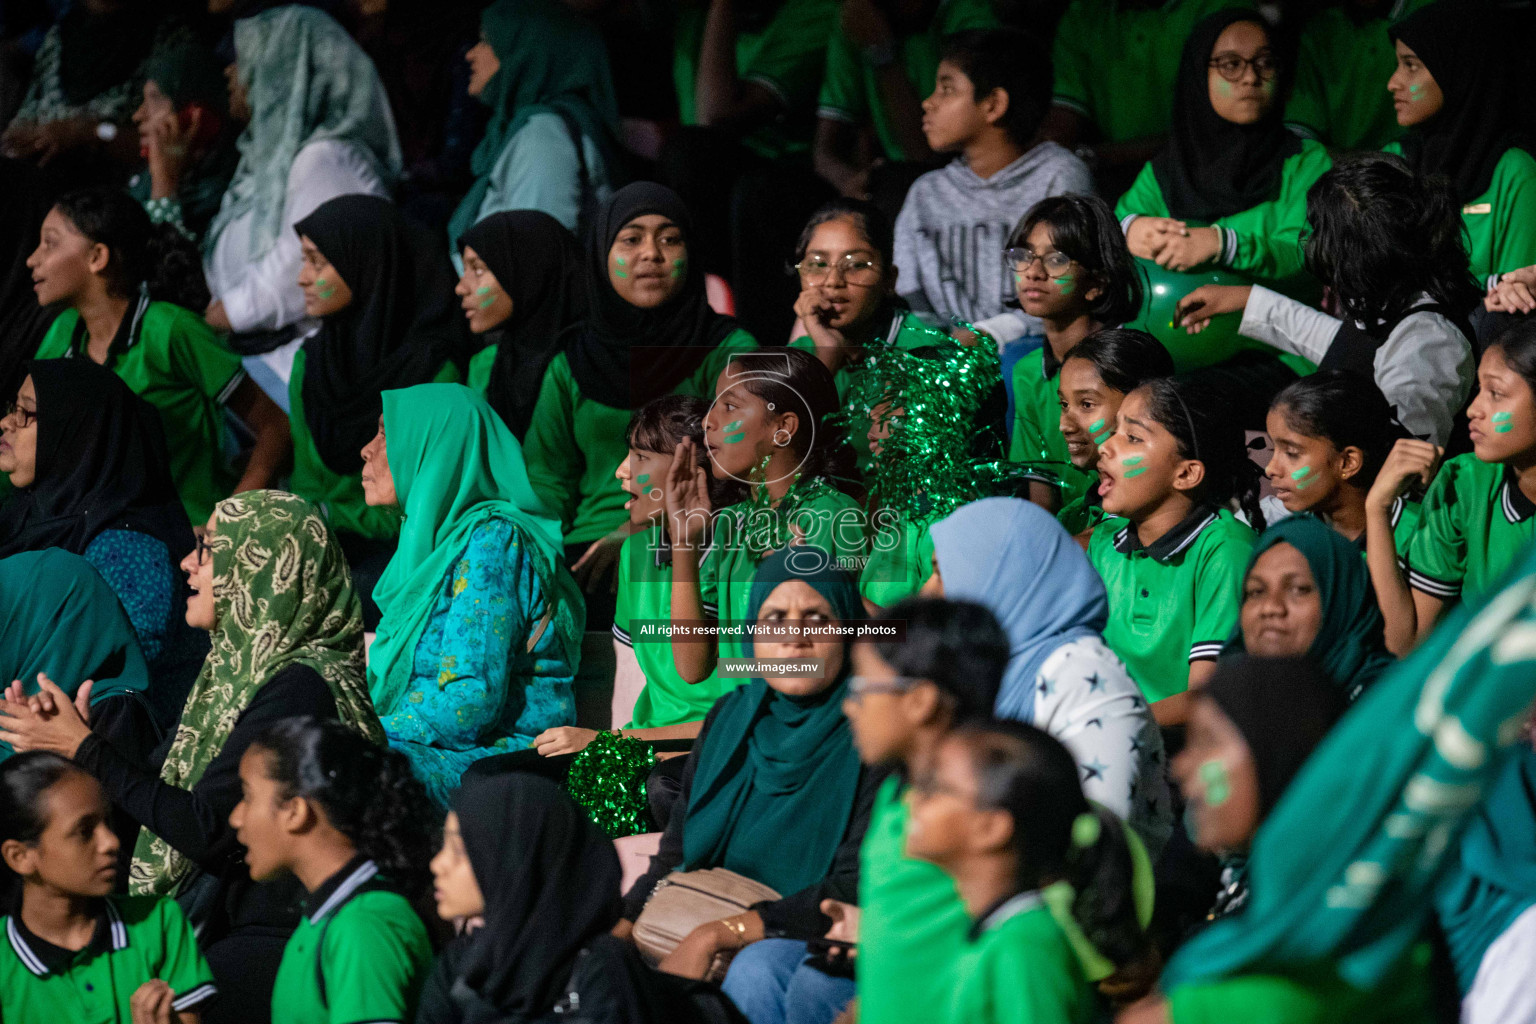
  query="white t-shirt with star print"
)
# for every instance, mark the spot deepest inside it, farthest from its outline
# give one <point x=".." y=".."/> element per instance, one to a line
<point x="1085" y="698"/>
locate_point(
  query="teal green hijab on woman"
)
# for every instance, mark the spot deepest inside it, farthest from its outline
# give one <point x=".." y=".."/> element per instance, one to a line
<point x="552" y="61"/>
<point x="1350" y="646"/>
<point x="58" y="616"/>
<point x="455" y="466"/>
<point x="776" y="775"/>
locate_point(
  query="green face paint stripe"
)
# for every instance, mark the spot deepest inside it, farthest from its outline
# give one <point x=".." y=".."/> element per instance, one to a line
<point x="1301" y="478"/>
<point x="1503" y="428"/>
<point x="1096" y="426"/>
<point x="620" y="261"/>
<point x="642" y="479"/>
<point x="488" y="300"/>
<point x="1131" y="460"/>
<point x="1218" y="788"/>
<point x="1066" y="282"/>
<point x="324" y="288"/>
<point x="735" y="438"/>
<point x="733" y="426"/>
<point x="1224" y="87"/>
<point x="678" y="267"/>
<point x="1133" y="474"/>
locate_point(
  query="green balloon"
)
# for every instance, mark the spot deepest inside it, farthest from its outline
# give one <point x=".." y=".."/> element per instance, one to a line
<point x="1165" y="289"/>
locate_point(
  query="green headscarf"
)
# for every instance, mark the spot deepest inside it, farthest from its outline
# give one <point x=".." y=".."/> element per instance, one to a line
<point x="1342" y="872"/>
<point x="189" y="73"/>
<point x="776" y="775"/>
<point x="456" y="465"/>
<point x="57" y="615"/>
<point x="306" y="81"/>
<point x="282" y="596"/>
<point x="552" y="61"/>
<point x="1350" y="646"/>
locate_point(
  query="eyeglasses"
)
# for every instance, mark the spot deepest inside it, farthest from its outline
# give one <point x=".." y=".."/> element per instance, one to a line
<point x="1020" y="259"/>
<point x="854" y="270"/>
<point x="862" y="686"/>
<point x="1232" y="67"/>
<point x="27" y="416"/>
<point x="204" y="550"/>
<point x="926" y="786"/>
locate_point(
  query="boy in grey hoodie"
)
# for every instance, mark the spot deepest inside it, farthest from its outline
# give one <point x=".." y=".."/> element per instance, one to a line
<point x="991" y="92"/>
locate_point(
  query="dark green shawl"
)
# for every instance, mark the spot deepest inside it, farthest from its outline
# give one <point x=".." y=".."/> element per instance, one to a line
<point x="776" y="775"/>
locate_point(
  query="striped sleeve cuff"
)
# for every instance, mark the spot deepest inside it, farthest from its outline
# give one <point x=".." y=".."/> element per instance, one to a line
<point x="1126" y="221"/>
<point x="201" y="994"/>
<point x="621" y="635"/>
<point x="1302" y="130"/>
<point x="1228" y="246"/>
<point x="773" y="86"/>
<point x="1433" y="587"/>
<point x="1207" y="650"/>
<point x="711" y="610"/>
<point x="1074" y="105"/>
<point x="229" y="389"/>
<point x="836" y="114"/>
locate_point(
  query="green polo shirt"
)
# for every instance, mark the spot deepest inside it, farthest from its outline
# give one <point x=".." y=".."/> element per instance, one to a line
<point x="1499" y="226"/>
<point x="1085" y="513"/>
<point x="574" y="444"/>
<point x="1116" y="65"/>
<point x="137" y="939"/>
<point x="1019" y="967"/>
<point x="1340" y="94"/>
<point x="900" y="559"/>
<point x="1475" y="522"/>
<point x="830" y="520"/>
<point x="1405" y="518"/>
<point x="174" y="361"/>
<point x="1037" y="440"/>
<point x="478" y="376"/>
<point x="359" y="954"/>
<point x="1262" y="242"/>
<point x="1175" y="602"/>
<point x="850" y="84"/>
<point x="645" y="593"/>
<point x="341" y="497"/>
<point x="912" y="928"/>
<point x="785" y="55"/>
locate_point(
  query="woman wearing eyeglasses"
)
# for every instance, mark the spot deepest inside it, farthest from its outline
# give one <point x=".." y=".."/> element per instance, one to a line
<point x="270" y="584"/>
<point x="1070" y="269"/>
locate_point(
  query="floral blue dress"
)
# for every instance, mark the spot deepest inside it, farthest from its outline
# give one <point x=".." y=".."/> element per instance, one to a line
<point x="477" y="688"/>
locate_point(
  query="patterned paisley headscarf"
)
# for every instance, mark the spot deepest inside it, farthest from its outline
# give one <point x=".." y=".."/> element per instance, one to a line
<point x="282" y="596"/>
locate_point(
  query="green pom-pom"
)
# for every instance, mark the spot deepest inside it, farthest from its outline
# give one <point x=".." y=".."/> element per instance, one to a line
<point x="608" y="780"/>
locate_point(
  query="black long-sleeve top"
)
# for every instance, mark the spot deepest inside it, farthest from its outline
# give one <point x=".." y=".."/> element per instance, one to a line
<point x="195" y="822"/>
<point x="797" y="915"/>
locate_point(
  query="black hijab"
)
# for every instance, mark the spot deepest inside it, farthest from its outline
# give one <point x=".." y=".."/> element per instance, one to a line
<point x="536" y="261"/>
<point x="550" y="879"/>
<point x="402" y="325"/>
<point x="677" y="336"/>
<point x="1460" y="42"/>
<point x="1283" y="707"/>
<point x="102" y="464"/>
<point x="22" y="321"/>
<point x="1210" y="167"/>
<point x="100" y="50"/>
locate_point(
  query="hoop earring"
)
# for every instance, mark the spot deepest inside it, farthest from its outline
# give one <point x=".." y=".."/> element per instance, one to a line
<point x="788" y="437"/>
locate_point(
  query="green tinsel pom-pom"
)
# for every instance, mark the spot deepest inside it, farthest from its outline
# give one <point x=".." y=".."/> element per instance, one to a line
<point x="608" y="780"/>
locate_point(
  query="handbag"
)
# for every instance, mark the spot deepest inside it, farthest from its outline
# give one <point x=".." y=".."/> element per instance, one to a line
<point x="686" y="899"/>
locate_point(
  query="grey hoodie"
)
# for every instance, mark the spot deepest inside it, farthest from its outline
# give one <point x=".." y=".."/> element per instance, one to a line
<point x="954" y="225"/>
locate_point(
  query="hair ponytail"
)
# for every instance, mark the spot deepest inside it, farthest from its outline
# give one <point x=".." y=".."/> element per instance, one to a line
<point x="1205" y="429"/>
<point x="141" y="254"/>
<point x="1058" y="834"/>
<point x="367" y="791"/>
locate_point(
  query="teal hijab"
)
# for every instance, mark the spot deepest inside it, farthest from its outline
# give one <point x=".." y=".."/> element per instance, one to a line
<point x="776" y="775"/>
<point x="57" y="615"/>
<point x="456" y="466"/>
<point x="306" y="81"/>
<point x="552" y="61"/>
<point x="1350" y="645"/>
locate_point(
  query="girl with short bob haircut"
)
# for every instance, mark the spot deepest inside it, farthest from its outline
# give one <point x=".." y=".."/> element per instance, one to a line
<point x="1072" y="270"/>
<point x="137" y="955"/>
<point x="1174" y="570"/>
<point x="1389" y="247"/>
<point x="1480" y="510"/>
<point x="1047" y="879"/>
<point x="349" y="820"/>
<point x="1095" y="378"/>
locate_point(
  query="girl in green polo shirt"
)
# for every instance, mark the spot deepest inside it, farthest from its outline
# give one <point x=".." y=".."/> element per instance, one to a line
<point x="768" y="429"/>
<point x="1480" y="510"/>
<point x="649" y="331"/>
<point x="73" y="950"/>
<point x="347" y="818"/>
<point x="123" y="283"/>
<point x="1174" y="566"/>
<point x="1452" y="90"/>
<point x="1094" y="379"/>
<point x="1072" y="270"/>
<point x="1045" y="877"/>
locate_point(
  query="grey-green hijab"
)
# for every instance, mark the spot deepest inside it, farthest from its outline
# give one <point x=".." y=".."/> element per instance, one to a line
<point x="306" y="81"/>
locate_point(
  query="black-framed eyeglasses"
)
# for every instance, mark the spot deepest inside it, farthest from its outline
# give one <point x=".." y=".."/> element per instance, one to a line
<point x="1021" y="259"/>
<point x="855" y="270"/>
<point x="27" y="416"/>
<point x="204" y="550"/>
<point x="1232" y="67"/>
